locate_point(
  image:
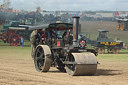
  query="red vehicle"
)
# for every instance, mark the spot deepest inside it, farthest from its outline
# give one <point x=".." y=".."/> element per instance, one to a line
<point x="12" y="32"/>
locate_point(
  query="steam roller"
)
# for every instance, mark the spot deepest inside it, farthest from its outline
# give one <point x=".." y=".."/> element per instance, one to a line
<point x="66" y="54"/>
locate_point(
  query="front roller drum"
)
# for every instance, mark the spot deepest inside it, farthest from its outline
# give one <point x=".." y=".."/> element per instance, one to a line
<point x="42" y="59"/>
<point x="81" y="64"/>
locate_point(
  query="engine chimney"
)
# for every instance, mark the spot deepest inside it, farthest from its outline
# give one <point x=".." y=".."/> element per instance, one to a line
<point x="75" y="29"/>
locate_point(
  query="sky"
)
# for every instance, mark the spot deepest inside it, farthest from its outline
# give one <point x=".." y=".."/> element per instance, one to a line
<point x="71" y="5"/>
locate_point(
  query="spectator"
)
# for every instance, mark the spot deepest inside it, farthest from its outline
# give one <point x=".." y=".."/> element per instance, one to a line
<point x="22" y="41"/>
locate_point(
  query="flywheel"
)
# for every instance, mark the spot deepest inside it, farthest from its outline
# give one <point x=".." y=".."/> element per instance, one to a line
<point x="14" y="40"/>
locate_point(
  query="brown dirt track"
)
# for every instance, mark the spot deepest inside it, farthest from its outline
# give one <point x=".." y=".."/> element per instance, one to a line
<point x="17" y="68"/>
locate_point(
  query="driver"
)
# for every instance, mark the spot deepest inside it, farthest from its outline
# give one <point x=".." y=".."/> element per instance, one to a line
<point x="66" y="36"/>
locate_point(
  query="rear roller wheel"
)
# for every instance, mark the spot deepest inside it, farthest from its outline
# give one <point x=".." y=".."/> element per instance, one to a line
<point x="42" y="59"/>
<point x="81" y="64"/>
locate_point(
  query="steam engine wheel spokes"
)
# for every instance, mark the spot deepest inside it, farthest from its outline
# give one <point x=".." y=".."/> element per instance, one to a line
<point x="81" y="64"/>
<point x="116" y="50"/>
<point x="42" y="59"/>
<point x="101" y="50"/>
<point x="110" y="50"/>
<point x="14" y="40"/>
<point x="11" y="33"/>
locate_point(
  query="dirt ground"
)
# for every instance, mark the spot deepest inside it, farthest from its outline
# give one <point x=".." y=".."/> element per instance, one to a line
<point x="17" y="68"/>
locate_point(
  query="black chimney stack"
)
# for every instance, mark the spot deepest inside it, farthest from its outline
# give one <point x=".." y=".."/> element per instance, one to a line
<point x="75" y="29"/>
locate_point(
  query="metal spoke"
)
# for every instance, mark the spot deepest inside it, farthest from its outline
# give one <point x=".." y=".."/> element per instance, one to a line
<point x="42" y="56"/>
<point x="38" y="58"/>
<point x="39" y="52"/>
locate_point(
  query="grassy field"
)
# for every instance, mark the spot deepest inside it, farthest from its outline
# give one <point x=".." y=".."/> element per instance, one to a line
<point x="15" y="52"/>
<point x="123" y="55"/>
<point x="26" y="43"/>
<point x="113" y="57"/>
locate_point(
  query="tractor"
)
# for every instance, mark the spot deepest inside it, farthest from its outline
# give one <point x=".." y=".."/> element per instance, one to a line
<point x="103" y="42"/>
<point x="66" y="54"/>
